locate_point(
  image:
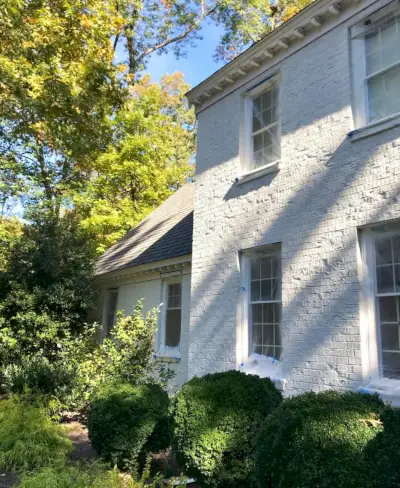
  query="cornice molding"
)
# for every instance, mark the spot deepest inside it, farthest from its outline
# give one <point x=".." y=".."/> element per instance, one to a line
<point x="294" y="31"/>
<point x="140" y="273"/>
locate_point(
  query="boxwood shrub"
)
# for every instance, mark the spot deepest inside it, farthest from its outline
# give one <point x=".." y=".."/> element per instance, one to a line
<point x="318" y="440"/>
<point x="383" y="452"/>
<point x="127" y="420"/>
<point x="215" y="421"/>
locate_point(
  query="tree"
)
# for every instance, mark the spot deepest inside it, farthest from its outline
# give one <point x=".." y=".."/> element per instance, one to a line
<point x="155" y="26"/>
<point x="46" y="290"/>
<point x="148" y="158"/>
<point x="58" y="88"/>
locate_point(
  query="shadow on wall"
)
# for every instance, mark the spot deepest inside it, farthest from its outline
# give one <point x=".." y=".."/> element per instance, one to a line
<point x="319" y="213"/>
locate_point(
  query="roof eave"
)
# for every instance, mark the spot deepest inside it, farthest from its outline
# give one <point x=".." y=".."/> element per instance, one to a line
<point x="296" y="29"/>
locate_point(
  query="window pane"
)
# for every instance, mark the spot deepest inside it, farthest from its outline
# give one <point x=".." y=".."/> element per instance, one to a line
<point x="383" y="250"/>
<point x="258" y="142"/>
<point x="396" y="249"/>
<point x="255" y="269"/>
<point x="266" y="290"/>
<point x="268" y="313"/>
<point x="257" y="314"/>
<point x="391" y="364"/>
<point x="173" y="328"/>
<point x="268" y="335"/>
<point x="390" y="337"/>
<point x="266" y="99"/>
<point x="397" y="278"/>
<point x="382" y="47"/>
<point x="266" y="267"/>
<point x="384" y="276"/>
<point x="388" y="309"/>
<point x="255" y="291"/>
<point x="384" y="94"/>
<point x="174" y="295"/>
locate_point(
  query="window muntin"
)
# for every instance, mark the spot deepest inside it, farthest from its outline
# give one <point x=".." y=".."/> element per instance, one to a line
<point x="382" y="60"/>
<point x="111" y="309"/>
<point x="173" y="315"/>
<point x="265" y="305"/>
<point x="387" y="290"/>
<point x="265" y="137"/>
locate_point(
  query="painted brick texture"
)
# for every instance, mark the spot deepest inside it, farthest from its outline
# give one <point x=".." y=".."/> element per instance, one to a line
<point x="326" y="187"/>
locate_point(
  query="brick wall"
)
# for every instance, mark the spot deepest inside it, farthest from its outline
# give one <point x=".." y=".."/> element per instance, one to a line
<point x="327" y="187"/>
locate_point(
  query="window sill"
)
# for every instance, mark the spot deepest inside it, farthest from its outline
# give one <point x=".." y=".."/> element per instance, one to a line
<point x="387" y="389"/>
<point x="375" y="127"/>
<point x="258" y="172"/>
<point x="167" y="354"/>
<point x="264" y="367"/>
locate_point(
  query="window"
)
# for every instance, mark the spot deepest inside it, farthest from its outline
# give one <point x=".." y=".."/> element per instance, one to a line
<point x="111" y="309"/>
<point x="376" y="63"/>
<point x="173" y="315"/>
<point x="261" y="143"/>
<point x="265" y="130"/>
<point x="265" y="303"/>
<point x="387" y="293"/>
<point x="382" y="51"/>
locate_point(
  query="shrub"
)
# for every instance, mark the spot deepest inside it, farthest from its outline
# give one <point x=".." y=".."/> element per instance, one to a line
<point x="124" y="420"/>
<point x="28" y="438"/>
<point x="215" y="420"/>
<point x="382" y="453"/>
<point x="318" y="440"/>
<point x="39" y="377"/>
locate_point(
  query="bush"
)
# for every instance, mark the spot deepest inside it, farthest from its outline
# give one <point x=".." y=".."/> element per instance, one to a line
<point x="215" y="420"/>
<point x="28" y="438"/>
<point x="125" y="421"/>
<point x="318" y="440"/>
<point x="40" y="378"/>
<point x="383" y="452"/>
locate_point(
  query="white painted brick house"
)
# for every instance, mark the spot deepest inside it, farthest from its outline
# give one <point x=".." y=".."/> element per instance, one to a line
<point x="296" y="234"/>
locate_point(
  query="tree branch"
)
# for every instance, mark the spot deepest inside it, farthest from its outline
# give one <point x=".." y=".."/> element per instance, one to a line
<point x="179" y="37"/>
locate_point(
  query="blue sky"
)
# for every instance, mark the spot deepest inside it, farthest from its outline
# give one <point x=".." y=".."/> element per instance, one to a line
<point x="198" y="64"/>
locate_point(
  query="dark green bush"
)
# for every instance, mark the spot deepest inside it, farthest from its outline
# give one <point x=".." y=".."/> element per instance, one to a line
<point x="383" y="452"/>
<point x="318" y="440"/>
<point x="215" y="421"/>
<point x="125" y="421"/>
<point x="40" y="377"/>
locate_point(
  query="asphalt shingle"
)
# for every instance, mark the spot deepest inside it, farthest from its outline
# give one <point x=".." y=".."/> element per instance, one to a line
<point x="165" y="233"/>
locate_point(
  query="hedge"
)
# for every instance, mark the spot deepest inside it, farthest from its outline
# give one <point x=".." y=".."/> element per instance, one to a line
<point x="215" y="421"/>
<point x="318" y="440"/>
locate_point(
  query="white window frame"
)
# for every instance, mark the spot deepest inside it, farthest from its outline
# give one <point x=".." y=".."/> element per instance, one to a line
<point x="359" y="67"/>
<point x="246" y="142"/>
<point x="370" y="321"/>
<point x="245" y="309"/>
<point x="163" y="348"/>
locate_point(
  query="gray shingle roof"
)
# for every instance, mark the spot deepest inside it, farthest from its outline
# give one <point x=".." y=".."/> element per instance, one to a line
<point x="165" y="233"/>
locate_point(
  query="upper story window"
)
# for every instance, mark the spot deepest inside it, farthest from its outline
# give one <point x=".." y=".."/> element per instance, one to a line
<point x="376" y="66"/>
<point x="260" y="138"/>
<point x="265" y="128"/>
<point x="382" y="53"/>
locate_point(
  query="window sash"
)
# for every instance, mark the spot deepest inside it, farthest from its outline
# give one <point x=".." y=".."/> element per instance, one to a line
<point x="389" y="366"/>
<point x="111" y="309"/>
<point x="269" y="269"/>
<point x="383" y="105"/>
<point x="173" y="315"/>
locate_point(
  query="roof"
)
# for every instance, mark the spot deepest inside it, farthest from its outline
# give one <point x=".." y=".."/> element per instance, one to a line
<point x="309" y="23"/>
<point x="165" y="233"/>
